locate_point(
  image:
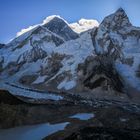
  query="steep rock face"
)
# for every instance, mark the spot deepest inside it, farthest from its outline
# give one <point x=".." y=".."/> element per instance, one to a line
<point x="117" y="38"/>
<point x="99" y="71"/>
<point x="60" y="27"/>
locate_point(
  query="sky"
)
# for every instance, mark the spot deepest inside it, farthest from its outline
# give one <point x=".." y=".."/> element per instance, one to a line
<point x="19" y="14"/>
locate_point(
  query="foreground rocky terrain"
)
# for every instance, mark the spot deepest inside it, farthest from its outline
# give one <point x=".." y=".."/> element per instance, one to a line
<point x="109" y="120"/>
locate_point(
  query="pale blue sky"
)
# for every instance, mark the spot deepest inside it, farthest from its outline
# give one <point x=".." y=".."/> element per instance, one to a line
<point x="18" y="14"/>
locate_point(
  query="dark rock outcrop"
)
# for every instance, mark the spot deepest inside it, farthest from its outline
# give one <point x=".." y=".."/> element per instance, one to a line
<point x="101" y="133"/>
<point x="61" y="28"/>
<point x="8" y="98"/>
<point x="99" y="71"/>
<point x="2" y="46"/>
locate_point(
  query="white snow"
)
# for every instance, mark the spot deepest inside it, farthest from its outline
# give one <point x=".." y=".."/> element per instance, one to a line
<point x="30" y="94"/>
<point x="27" y="69"/>
<point x="76" y="52"/>
<point x="84" y="25"/>
<point x="34" y="132"/>
<point x="10" y="56"/>
<point x="25" y="30"/>
<point x="83" y="116"/>
<point x="128" y="74"/>
<point x="67" y="84"/>
<point x="49" y="18"/>
<point x="124" y="119"/>
<point x="40" y="79"/>
<point x="130" y="49"/>
<point x="13" y="56"/>
<point x="88" y="22"/>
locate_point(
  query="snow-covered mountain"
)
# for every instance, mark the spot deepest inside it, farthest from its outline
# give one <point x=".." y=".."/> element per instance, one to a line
<point x="78" y="57"/>
<point x="84" y="25"/>
<point x="117" y="38"/>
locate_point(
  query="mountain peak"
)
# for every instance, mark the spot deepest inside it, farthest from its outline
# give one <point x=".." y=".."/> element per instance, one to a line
<point x="53" y="17"/>
<point x="59" y="26"/>
<point x="121" y="13"/>
<point x="117" y="20"/>
<point x="121" y="18"/>
<point x="120" y="10"/>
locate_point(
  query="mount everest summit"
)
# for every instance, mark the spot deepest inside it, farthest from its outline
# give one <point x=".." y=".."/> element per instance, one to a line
<point x="86" y="58"/>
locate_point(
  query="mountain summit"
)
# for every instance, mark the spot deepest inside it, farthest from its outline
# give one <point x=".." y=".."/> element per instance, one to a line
<point x="59" y="26"/>
<point x="117" y="20"/>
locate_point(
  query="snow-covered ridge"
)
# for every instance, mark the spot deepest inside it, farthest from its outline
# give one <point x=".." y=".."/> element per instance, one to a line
<point x="45" y="21"/>
<point x="15" y="90"/>
<point x="49" y="18"/>
<point x="26" y="30"/>
<point x="82" y="25"/>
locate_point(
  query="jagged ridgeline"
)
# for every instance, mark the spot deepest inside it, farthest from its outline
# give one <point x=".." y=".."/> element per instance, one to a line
<point x="78" y="57"/>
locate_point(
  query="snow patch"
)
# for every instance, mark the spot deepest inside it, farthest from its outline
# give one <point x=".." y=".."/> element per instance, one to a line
<point x="67" y="84"/>
<point x="124" y="119"/>
<point x="84" y="25"/>
<point x="26" y="30"/>
<point x="88" y="22"/>
<point x="83" y="116"/>
<point x="29" y="94"/>
<point x="49" y="18"/>
<point x="40" y="79"/>
<point x="128" y="74"/>
<point x="13" y="56"/>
